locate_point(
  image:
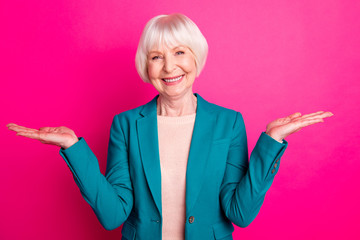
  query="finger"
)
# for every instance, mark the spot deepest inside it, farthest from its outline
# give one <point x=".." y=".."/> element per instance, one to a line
<point x="19" y="129"/>
<point x="327" y="114"/>
<point x="46" y="129"/>
<point x="42" y="136"/>
<point x="22" y="129"/>
<point x="13" y="125"/>
<point x="320" y="115"/>
<point x="311" y="114"/>
<point x="33" y="135"/>
<point x="305" y="123"/>
<point x="294" y="115"/>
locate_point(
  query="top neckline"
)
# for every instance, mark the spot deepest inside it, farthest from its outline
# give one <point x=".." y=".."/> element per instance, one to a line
<point x="177" y="119"/>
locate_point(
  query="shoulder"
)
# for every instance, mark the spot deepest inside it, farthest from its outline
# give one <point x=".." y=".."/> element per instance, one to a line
<point x="131" y="113"/>
<point x="223" y="113"/>
<point x="146" y="109"/>
<point x="221" y="110"/>
<point x="129" y="117"/>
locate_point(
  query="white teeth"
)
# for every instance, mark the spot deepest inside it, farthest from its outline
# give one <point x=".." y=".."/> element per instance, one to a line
<point x="173" y="80"/>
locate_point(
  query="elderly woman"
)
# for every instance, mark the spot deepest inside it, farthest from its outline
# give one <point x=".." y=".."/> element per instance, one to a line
<point x="177" y="166"/>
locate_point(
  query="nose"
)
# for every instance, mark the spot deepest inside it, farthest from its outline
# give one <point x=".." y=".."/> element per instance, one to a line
<point x="169" y="64"/>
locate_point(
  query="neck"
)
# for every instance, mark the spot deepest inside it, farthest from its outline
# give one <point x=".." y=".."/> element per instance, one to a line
<point x="174" y="107"/>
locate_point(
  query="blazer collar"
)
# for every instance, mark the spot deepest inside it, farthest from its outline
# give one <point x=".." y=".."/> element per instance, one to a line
<point x="202" y="136"/>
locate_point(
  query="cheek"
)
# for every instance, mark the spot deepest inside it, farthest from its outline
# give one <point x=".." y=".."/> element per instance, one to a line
<point x="151" y="70"/>
<point x="189" y="66"/>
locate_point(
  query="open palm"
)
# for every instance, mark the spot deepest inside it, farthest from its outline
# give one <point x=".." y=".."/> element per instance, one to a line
<point x="283" y="127"/>
<point x="60" y="136"/>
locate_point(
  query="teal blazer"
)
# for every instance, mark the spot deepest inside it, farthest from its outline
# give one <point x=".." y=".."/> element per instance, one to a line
<point x="222" y="185"/>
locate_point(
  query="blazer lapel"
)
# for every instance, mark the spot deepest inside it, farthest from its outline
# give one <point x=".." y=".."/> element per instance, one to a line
<point x="202" y="136"/>
<point x="199" y="151"/>
<point x="149" y="149"/>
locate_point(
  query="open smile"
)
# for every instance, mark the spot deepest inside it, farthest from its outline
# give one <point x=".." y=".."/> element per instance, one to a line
<point x="174" y="79"/>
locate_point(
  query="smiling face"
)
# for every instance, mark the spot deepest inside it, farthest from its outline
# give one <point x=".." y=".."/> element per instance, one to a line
<point x="172" y="70"/>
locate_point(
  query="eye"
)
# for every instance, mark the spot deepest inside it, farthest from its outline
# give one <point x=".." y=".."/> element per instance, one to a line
<point x="155" y="58"/>
<point x="180" y="52"/>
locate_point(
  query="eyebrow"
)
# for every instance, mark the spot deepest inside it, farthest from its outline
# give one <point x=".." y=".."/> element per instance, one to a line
<point x="156" y="51"/>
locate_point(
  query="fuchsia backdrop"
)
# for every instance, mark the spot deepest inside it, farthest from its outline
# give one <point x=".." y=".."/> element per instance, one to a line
<point x="72" y="63"/>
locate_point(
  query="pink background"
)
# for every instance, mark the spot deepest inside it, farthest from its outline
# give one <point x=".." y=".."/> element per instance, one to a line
<point x="71" y="63"/>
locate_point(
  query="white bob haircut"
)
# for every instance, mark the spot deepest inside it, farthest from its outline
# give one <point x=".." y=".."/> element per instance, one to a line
<point x="169" y="31"/>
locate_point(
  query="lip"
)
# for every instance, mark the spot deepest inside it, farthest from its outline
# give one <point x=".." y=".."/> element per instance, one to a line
<point x="173" y="83"/>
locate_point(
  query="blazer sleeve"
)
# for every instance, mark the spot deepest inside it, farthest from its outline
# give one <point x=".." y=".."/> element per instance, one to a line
<point x="246" y="182"/>
<point x="110" y="196"/>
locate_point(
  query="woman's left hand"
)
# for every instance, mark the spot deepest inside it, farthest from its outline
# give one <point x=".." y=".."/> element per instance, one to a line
<point x="283" y="127"/>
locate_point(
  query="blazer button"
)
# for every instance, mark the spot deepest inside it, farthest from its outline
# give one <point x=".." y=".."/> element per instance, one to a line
<point x="191" y="219"/>
<point x="277" y="160"/>
<point x="275" y="165"/>
<point x="272" y="171"/>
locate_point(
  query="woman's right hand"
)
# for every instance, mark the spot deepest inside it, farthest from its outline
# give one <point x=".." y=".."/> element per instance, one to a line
<point x="59" y="136"/>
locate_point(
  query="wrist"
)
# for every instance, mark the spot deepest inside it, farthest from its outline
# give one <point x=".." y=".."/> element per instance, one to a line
<point x="70" y="143"/>
<point x="275" y="137"/>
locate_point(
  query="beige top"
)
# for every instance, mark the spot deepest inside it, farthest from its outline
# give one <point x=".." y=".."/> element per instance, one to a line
<point x="174" y="144"/>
